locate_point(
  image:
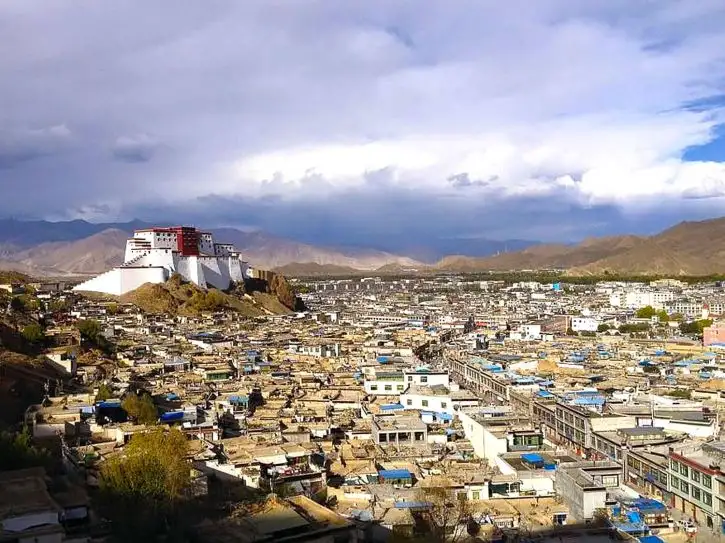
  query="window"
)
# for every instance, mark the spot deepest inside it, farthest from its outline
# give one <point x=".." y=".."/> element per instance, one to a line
<point x="408" y="402"/>
<point x="388" y="387"/>
<point x="410" y="377"/>
<point x="674" y="482"/>
<point x="610" y="480"/>
<point x="696" y="493"/>
<point x="707" y="498"/>
<point x="424" y="403"/>
<point x="444" y="405"/>
<point x="476" y="495"/>
<point x="684" y="487"/>
<point x="673" y="465"/>
<point x="707" y="481"/>
<point x="695" y="476"/>
<point x="373" y="387"/>
<point x="683" y="470"/>
<point x="400" y="387"/>
<point x="424" y="379"/>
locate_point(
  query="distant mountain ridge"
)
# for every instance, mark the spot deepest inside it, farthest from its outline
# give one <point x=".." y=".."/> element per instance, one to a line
<point x="78" y="247"/>
<point x="82" y="248"/>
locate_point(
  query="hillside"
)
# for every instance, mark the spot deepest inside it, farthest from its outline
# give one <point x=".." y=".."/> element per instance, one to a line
<point x="178" y="297"/>
<point x="94" y="254"/>
<point x="79" y="248"/>
<point x="689" y="248"/>
<point x="311" y="269"/>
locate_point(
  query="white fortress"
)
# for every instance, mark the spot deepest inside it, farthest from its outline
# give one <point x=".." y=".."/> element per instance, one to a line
<point x="154" y="254"/>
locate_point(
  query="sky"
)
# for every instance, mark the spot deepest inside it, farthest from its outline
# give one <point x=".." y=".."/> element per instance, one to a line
<point x="380" y="123"/>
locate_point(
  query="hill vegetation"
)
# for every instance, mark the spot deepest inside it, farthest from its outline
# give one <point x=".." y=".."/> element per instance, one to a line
<point x="179" y="297"/>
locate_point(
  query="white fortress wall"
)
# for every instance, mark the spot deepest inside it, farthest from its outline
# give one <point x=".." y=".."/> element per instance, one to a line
<point x="216" y="271"/>
<point x="108" y="282"/>
<point x="236" y="271"/>
<point x="184" y="268"/>
<point x="132" y="278"/>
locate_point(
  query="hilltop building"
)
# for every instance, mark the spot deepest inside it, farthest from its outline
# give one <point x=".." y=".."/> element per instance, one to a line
<point x="154" y="254"/>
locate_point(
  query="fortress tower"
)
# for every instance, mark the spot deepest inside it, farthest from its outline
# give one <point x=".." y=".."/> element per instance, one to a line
<point x="154" y="254"/>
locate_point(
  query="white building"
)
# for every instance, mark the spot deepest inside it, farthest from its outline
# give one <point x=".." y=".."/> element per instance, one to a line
<point x="381" y="382"/>
<point x="638" y="298"/>
<point x="584" y="324"/>
<point x="437" y="399"/>
<point x="154" y="254"/>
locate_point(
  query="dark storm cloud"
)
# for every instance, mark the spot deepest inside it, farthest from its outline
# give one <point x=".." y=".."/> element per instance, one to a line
<point x="139" y="148"/>
<point x="24" y="145"/>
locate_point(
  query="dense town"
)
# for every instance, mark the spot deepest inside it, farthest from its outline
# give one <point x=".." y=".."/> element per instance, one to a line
<point x="439" y="408"/>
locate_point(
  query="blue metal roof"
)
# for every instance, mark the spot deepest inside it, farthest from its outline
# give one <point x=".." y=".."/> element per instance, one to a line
<point x="395" y="474"/>
<point x="445" y="416"/>
<point x="391" y="406"/>
<point x="172" y="416"/>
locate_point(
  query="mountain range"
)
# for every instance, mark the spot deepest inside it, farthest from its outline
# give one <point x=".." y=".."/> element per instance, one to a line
<point x="80" y="248"/>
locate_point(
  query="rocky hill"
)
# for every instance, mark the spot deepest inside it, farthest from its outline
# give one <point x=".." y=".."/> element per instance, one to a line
<point x="255" y="298"/>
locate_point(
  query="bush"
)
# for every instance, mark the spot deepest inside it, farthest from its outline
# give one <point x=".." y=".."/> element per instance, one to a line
<point x="104" y="393"/>
<point x="141" y="492"/>
<point x="17" y="452"/>
<point x="140" y="408"/>
<point x="646" y="312"/>
<point x="33" y="333"/>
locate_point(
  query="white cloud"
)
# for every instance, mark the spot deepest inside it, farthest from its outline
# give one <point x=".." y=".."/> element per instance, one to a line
<point x="307" y="100"/>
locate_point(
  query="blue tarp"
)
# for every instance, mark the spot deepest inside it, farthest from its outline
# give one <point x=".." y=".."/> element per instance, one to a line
<point x="395" y="474"/>
<point x="172" y="416"/>
<point x="383" y="359"/>
<point x="109" y="404"/>
<point x="172" y="396"/>
<point x="391" y="406"/>
<point x="445" y="416"/>
<point x="648" y="504"/>
<point x="651" y="539"/>
<point x="634" y="517"/>
<point x="532" y="458"/>
<point x="412" y="505"/>
<point x="235" y="399"/>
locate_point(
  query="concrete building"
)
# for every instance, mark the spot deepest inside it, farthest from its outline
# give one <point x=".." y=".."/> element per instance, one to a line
<point x="437" y="398"/>
<point x="584" y="324"/>
<point x="394" y="430"/>
<point x="583" y="486"/>
<point x="697" y="482"/>
<point x="714" y="334"/>
<point x="154" y="254"/>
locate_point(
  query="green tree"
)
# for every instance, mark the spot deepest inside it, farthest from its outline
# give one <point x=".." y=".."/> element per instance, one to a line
<point x="646" y="312"/>
<point x="140" y="408"/>
<point x="104" y="393"/>
<point x="603" y="328"/>
<point x="33" y="333"/>
<point x="18" y="452"/>
<point x="695" y="327"/>
<point x="112" y="309"/>
<point x="142" y="491"/>
<point x="89" y="328"/>
<point x="17" y="303"/>
<point x="663" y="316"/>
